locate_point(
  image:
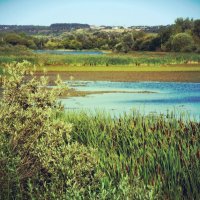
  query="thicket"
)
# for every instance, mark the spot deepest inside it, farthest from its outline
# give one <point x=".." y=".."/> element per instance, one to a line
<point x="38" y="160"/>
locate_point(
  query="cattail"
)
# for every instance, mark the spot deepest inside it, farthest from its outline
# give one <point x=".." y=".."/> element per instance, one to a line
<point x="198" y="154"/>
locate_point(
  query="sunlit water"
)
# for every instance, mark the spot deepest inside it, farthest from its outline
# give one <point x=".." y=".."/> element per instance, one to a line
<point x="148" y="97"/>
<point x="64" y="52"/>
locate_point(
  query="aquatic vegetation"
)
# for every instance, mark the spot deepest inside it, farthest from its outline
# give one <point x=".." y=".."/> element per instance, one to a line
<point x="133" y="59"/>
<point x="163" y="151"/>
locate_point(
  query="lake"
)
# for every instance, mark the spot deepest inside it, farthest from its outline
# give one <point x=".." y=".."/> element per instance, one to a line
<point x="65" y="52"/>
<point x="146" y="97"/>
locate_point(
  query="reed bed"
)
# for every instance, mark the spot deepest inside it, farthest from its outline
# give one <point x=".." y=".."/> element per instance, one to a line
<point x="104" y="60"/>
<point x="163" y="151"/>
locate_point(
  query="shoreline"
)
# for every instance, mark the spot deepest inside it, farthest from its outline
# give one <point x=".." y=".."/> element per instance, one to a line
<point x="71" y="92"/>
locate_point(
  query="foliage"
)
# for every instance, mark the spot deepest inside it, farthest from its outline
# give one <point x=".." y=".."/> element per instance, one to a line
<point x="163" y="151"/>
<point x="196" y="29"/>
<point x="185" y="29"/>
<point x="111" y="59"/>
<point x="182" y="25"/>
<point x="182" y="42"/>
<point x="35" y="145"/>
<point x="19" y="39"/>
<point x="100" y="157"/>
<point x="126" y="40"/>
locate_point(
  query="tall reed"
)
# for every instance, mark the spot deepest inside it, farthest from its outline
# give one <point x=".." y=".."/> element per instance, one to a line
<point x="163" y="151"/>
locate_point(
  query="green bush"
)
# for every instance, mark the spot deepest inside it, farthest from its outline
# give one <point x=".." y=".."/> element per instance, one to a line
<point x="182" y="42"/>
<point x="35" y="145"/>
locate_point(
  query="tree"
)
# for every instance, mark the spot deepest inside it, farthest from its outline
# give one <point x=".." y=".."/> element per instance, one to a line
<point x="181" y="42"/>
<point x="196" y="29"/>
<point x="52" y="44"/>
<point x="14" y="39"/>
<point x="20" y="39"/>
<point x="165" y="33"/>
<point x="74" y="44"/>
<point x="128" y="40"/>
<point x="150" y="43"/>
<point x="181" y="25"/>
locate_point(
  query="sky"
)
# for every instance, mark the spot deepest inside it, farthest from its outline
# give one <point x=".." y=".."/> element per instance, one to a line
<point x="97" y="12"/>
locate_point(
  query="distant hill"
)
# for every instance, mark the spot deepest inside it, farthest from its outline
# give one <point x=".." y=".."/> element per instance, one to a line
<point x="31" y="29"/>
<point x="67" y="26"/>
<point x="63" y="27"/>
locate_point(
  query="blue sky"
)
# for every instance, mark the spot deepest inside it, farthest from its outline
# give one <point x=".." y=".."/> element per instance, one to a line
<point x="97" y="12"/>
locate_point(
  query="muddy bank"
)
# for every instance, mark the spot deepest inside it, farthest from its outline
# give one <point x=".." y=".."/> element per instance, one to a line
<point x="126" y="76"/>
<point x="77" y="93"/>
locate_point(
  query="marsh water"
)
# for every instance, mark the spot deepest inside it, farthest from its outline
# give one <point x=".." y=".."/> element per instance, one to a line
<point x="66" y="52"/>
<point x="146" y="97"/>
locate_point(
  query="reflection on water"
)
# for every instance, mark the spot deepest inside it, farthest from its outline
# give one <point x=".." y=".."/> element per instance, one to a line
<point x="148" y="97"/>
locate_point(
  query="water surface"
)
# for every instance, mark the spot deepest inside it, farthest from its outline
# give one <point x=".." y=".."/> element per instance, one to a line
<point x="65" y="52"/>
<point x="147" y="97"/>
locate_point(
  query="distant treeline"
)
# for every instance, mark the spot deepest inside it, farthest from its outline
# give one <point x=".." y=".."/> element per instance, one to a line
<point x="67" y="26"/>
<point x="31" y="29"/>
<point x="63" y="27"/>
<point x="182" y="36"/>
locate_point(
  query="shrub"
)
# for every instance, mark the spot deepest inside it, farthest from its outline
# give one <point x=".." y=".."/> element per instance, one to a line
<point x="36" y="146"/>
<point x="182" y="41"/>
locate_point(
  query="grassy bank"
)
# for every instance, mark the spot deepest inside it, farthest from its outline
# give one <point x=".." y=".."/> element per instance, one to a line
<point x="135" y="58"/>
<point x="111" y="62"/>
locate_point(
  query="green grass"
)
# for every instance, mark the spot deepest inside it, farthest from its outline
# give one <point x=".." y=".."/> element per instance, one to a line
<point x="164" y="152"/>
<point x="133" y="59"/>
<point x="1" y="70"/>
